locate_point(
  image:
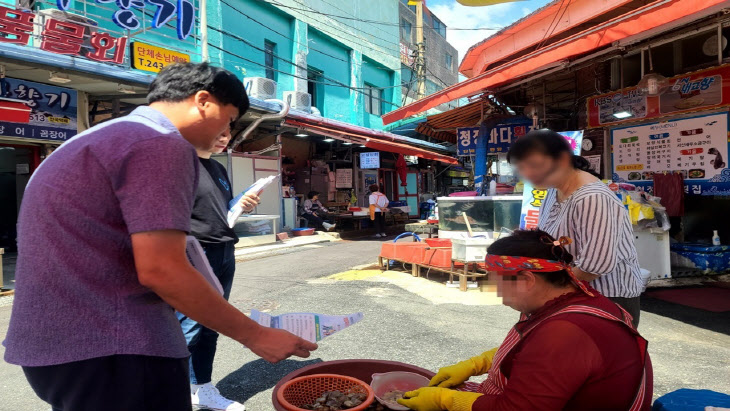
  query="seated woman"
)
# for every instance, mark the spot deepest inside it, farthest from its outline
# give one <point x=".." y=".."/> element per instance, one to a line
<point x="572" y="349"/>
<point x="315" y="212"/>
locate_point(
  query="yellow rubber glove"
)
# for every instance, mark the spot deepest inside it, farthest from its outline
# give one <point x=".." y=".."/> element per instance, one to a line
<point x="456" y="374"/>
<point x="437" y="399"/>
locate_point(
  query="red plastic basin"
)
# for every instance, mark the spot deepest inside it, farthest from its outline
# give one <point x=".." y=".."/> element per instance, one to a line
<point x="401" y="251"/>
<point x="438" y="242"/>
<point x="360" y="369"/>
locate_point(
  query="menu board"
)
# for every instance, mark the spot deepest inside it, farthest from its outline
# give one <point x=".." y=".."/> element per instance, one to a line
<point x="370" y="159"/>
<point x="696" y="147"/>
<point x="343" y="178"/>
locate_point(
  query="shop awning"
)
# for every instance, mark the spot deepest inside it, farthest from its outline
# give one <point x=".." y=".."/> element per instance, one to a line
<point x="642" y="20"/>
<point x="443" y="126"/>
<point x="375" y="139"/>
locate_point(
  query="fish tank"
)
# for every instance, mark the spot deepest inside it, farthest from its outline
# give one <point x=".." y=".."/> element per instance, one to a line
<point x="487" y="215"/>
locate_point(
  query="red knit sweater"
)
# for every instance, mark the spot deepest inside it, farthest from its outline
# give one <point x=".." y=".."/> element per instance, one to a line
<point x="572" y="362"/>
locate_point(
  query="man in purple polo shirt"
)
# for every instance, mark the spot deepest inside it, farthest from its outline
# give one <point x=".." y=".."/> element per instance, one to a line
<point x="101" y="256"/>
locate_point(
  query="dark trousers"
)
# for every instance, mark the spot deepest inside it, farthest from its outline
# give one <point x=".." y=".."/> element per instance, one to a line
<point x="114" y="383"/>
<point x="632" y="305"/>
<point x="202" y="341"/>
<point x="314" y="220"/>
<point x="379" y="222"/>
<point x="318" y="219"/>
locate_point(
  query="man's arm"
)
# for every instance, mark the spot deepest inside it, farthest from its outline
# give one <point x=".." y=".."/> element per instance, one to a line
<point x="162" y="266"/>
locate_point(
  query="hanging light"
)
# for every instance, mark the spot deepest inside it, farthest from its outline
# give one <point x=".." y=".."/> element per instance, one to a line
<point x="652" y="84"/>
<point x="300" y="133"/>
<point x="328" y="140"/>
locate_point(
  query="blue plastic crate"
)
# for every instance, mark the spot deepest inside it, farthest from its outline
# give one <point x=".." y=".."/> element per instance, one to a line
<point x="690" y="400"/>
<point x="708" y="258"/>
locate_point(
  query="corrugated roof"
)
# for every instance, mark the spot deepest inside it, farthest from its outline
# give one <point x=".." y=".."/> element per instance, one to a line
<point x="443" y="126"/>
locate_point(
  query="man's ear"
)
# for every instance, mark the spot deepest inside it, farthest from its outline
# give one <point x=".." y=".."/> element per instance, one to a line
<point x="202" y="98"/>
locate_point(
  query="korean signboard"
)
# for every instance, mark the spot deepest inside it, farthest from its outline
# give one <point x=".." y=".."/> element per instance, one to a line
<point x="36" y="111"/>
<point x="152" y="58"/>
<point x="533" y="197"/>
<point x="500" y="138"/>
<point x="686" y="93"/>
<point x="61" y="37"/>
<point x="696" y="147"/>
<point x="163" y="11"/>
<point x="370" y="160"/>
<point x="406" y="56"/>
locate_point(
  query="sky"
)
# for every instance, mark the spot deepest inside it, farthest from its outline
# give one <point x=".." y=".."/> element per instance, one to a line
<point x="455" y="15"/>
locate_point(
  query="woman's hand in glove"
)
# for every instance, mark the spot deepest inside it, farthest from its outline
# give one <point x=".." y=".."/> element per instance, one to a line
<point x="437" y="399"/>
<point x="456" y="374"/>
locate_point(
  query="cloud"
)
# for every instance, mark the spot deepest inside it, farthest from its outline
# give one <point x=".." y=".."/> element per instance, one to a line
<point x="496" y="17"/>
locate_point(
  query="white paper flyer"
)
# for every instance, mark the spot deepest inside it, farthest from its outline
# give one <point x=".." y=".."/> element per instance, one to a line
<point x="199" y="260"/>
<point x="235" y="210"/>
<point x="311" y="327"/>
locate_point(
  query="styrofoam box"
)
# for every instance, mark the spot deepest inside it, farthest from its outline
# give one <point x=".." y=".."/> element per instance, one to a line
<point x="470" y="249"/>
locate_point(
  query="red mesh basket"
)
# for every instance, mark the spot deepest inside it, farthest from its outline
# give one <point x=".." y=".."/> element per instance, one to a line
<point x="305" y="390"/>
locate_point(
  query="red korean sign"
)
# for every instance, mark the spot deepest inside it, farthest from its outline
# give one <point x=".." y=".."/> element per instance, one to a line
<point x="62" y="37"/>
<point x="700" y="90"/>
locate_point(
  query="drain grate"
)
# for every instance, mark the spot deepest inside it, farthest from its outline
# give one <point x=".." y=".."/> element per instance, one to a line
<point x="248" y="304"/>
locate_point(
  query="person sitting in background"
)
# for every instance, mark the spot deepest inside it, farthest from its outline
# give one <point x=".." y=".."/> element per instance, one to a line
<point x="572" y="349"/>
<point x="378" y="206"/>
<point x="315" y="212"/>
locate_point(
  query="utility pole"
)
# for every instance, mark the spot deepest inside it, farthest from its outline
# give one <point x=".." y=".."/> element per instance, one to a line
<point x="203" y="13"/>
<point x="420" y="51"/>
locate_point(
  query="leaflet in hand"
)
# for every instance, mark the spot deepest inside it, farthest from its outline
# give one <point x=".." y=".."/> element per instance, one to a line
<point x="311" y="327"/>
<point x="234" y="206"/>
<point x="199" y="260"/>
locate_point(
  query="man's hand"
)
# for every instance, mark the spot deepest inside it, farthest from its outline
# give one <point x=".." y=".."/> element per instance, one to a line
<point x="274" y="345"/>
<point x="162" y="266"/>
<point x="249" y="202"/>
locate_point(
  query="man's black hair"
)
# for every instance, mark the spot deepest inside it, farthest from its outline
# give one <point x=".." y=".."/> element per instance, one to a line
<point x="179" y="81"/>
<point x="311" y="194"/>
<point x="532" y="243"/>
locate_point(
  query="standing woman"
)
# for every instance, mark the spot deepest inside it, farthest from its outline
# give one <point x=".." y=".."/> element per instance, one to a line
<point x="210" y="226"/>
<point x="378" y="206"/>
<point x="580" y="206"/>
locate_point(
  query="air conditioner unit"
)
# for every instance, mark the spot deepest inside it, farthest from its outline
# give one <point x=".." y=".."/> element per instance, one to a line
<point x="298" y="100"/>
<point x="39" y="23"/>
<point x="260" y="87"/>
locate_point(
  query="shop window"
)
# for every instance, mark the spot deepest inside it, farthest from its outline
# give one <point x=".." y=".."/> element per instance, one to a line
<point x="315" y="87"/>
<point x="270" y="59"/>
<point x="700" y="51"/>
<point x="373" y="100"/>
<point x="449" y="60"/>
<point x="663" y="60"/>
<point x="405" y="30"/>
<point x="631" y="69"/>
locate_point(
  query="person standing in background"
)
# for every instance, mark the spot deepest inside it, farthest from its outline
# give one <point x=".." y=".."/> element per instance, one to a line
<point x="209" y="225"/>
<point x="378" y="206"/>
<point x="582" y="207"/>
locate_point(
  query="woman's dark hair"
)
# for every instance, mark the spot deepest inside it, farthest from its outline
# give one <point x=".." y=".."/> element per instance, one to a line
<point x="179" y="81"/>
<point x="549" y="143"/>
<point x="374" y="187"/>
<point x="311" y="194"/>
<point x="531" y="243"/>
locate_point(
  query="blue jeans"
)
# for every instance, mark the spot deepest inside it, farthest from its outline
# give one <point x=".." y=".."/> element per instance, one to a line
<point x="202" y="341"/>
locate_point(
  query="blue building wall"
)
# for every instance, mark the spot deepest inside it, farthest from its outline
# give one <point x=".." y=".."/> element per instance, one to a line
<point x="345" y="54"/>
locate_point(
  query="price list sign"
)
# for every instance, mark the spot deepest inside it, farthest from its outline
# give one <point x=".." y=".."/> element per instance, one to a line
<point x="696" y="147"/>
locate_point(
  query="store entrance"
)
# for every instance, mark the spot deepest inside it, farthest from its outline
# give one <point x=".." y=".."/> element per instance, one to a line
<point x="17" y="162"/>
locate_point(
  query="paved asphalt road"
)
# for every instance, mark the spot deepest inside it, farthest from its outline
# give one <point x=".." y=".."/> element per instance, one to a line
<point x="410" y="320"/>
